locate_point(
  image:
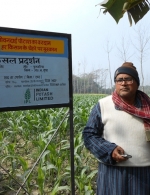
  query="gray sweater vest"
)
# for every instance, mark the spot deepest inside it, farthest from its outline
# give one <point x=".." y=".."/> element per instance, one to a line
<point x="126" y="131"/>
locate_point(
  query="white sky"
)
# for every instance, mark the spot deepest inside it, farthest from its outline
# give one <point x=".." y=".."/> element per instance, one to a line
<point x="90" y="30"/>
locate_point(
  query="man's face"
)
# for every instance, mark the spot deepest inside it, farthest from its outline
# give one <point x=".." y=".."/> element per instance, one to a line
<point x="126" y="89"/>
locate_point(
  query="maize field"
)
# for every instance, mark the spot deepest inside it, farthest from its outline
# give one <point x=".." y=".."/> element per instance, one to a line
<point x="24" y="135"/>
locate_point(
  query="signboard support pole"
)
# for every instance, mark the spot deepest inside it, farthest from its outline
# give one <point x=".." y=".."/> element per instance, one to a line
<point x="72" y="151"/>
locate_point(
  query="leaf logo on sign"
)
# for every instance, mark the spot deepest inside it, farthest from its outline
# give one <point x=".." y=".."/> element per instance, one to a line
<point x="27" y="96"/>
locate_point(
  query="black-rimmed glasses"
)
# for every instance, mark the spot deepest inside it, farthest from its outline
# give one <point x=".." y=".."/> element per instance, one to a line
<point x="128" y="80"/>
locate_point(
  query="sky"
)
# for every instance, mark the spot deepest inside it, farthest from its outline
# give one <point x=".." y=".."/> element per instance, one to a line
<point x="92" y="31"/>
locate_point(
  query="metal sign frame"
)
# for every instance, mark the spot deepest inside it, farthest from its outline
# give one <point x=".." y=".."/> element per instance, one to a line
<point x="10" y="46"/>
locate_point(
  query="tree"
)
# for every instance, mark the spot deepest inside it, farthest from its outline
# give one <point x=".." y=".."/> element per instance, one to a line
<point x="123" y="50"/>
<point x="136" y="9"/>
<point x="95" y="82"/>
<point x="84" y="68"/>
<point x="142" y="47"/>
<point x="108" y="50"/>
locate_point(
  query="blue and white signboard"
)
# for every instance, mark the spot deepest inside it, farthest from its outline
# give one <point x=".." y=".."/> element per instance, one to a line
<point x="35" y="69"/>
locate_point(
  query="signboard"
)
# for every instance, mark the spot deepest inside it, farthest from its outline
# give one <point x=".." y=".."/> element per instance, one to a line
<point x="35" y="69"/>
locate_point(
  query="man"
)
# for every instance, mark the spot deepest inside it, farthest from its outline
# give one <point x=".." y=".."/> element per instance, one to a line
<point x="120" y="125"/>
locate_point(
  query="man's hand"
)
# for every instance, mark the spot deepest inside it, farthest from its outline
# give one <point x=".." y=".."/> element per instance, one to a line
<point x="116" y="154"/>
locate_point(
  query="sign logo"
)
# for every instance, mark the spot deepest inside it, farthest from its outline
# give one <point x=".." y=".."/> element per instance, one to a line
<point x="27" y="96"/>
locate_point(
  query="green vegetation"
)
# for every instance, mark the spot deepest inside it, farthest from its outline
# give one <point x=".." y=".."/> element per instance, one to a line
<point x="24" y="135"/>
<point x="136" y="9"/>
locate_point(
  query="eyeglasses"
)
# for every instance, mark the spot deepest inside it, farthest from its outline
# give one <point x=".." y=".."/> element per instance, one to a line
<point x="128" y="80"/>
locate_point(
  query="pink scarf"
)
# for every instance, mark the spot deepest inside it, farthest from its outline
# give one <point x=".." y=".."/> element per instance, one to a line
<point x="143" y="112"/>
